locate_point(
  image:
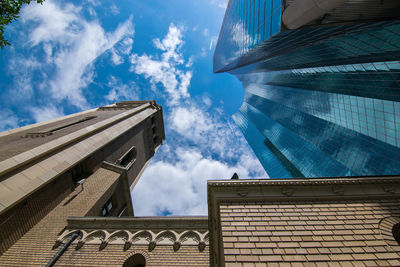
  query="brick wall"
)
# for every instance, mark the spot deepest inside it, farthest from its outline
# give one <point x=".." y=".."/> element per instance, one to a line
<point x="29" y="229"/>
<point x="19" y="220"/>
<point x="115" y="255"/>
<point x="35" y="248"/>
<point x="335" y="233"/>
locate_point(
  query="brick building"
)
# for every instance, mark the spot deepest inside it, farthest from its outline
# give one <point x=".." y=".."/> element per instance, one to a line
<point x="352" y="221"/>
<point x="86" y="165"/>
<point x="65" y="201"/>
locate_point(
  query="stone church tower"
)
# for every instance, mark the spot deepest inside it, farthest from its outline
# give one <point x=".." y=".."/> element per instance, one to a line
<point x="78" y="171"/>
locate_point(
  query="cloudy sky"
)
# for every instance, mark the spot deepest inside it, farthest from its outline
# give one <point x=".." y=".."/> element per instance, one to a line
<point x="68" y="56"/>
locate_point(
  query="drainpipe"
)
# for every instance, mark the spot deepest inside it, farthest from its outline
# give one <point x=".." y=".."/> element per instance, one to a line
<point x="301" y="12"/>
<point x="62" y="249"/>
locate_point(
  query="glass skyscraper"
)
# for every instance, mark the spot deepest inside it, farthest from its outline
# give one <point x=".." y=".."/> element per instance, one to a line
<point x="322" y="85"/>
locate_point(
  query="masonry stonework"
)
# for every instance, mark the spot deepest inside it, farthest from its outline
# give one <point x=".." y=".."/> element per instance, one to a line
<point x="342" y="233"/>
<point x="312" y="222"/>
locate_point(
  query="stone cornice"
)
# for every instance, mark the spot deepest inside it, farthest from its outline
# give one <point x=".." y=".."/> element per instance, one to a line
<point x="149" y="231"/>
<point x="306" y="181"/>
<point x="127" y="238"/>
<point x="132" y="223"/>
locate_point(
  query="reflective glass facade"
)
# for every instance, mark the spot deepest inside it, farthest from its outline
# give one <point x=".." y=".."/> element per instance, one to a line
<point x="319" y="101"/>
<point x="247" y="24"/>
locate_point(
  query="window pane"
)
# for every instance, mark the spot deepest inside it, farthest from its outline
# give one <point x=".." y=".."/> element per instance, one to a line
<point x="267" y="29"/>
<point x="268" y="9"/>
<point x="109" y="206"/>
<point x="276" y="4"/>
<point x="276" y="22"/>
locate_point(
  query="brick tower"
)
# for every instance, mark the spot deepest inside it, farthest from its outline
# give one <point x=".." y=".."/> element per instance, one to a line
<point x="84" y="164"/>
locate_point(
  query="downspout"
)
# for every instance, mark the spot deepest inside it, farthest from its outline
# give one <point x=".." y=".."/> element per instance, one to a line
<point x="62" y="249"/>
<point x="301" y="12"/>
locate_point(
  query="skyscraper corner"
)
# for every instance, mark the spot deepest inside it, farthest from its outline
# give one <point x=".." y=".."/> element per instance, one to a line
<point x="321" y="84"/>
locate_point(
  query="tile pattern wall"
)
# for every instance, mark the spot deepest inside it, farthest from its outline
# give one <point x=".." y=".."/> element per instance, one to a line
<point x="114" y="255"/>
<point x="336" y="233"/>
<point x="35" y="248"/>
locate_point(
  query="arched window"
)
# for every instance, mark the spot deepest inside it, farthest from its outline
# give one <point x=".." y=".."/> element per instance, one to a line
<point x="396" y="232"/>
<point x="137" y="260"/>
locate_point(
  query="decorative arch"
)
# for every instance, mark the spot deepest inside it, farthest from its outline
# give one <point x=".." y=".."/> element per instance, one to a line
<point x="67" y="234"/>
<point x="166" y="237"/>
<point x="206" y="237"/>
<point x="143" y="237"/>
<point x="96" y="235"/>
<point x="129" y="238"/>
<point x="189" y="237"/>
<point x="64" y="236"/>
<point x="120" y="235"/>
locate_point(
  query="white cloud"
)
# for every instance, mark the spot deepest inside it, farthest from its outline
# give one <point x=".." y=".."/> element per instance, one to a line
<point x="54" y="23"/>
<point x="206" y="32"/>
<point x="115" y="58"/>
<point x="125" y="47"/>
<point x="171" y="45"/>
<point x="207" y="101"/>
<point x="114" y="9"/>
<point x="91" y="11"/>
<point x="220" y="3"/>
<point x="203" y="52"/>
<point x="216" y="134"/>
<point x="190" y="122"/>
<point x="165" y="71"/>
<point x="181" y="186"/>
<point x="46" y="113"/>
<point x="8" y="120"/>
<point x="21" y="68"/>
<point x="121" y="91"/>
<point x="181" y="175"/>
<point x="94" y="2"/>
<point x="120" y="50"/>
<point x="190" y="62"/>
<point x="72" y="44"/>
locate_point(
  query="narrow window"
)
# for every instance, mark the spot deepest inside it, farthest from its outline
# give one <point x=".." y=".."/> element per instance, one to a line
<point x="106" y="209"/>
<point x="154" y="130"/>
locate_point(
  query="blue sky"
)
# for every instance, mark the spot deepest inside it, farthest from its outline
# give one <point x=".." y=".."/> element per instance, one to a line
<point x="68" y="56"/>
